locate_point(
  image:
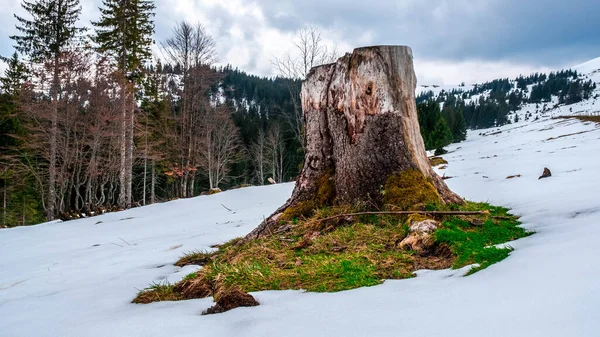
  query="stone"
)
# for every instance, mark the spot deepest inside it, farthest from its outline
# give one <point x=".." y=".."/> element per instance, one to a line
<point x="546" y="174"/>
<point x="420" y="237"/>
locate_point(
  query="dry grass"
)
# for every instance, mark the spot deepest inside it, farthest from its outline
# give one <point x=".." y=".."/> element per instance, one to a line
<point x="158" y="292"/>
<point x="437" y="161"/>
<point x="199" y="258"/>
<point x="344" y="253"/>
<point x="595" y="119"/>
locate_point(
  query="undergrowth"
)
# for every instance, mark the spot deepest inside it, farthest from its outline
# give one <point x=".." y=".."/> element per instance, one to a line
<point x="344" y="253"/>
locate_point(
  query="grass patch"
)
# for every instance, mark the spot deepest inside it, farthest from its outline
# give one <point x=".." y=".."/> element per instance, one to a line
<point x="199" y="258"/>
<point x="345" y="253"/>
<point x="476" y="244"/>
<point x="158" y="292"/>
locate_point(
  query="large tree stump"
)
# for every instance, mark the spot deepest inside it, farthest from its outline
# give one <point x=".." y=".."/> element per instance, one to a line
<point x="362" y="131"/>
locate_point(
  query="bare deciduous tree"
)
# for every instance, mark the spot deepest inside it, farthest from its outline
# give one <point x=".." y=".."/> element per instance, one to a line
<point x="260" y="156"/>
<point x="309" y="51"/>
<point x="193" y="49"/>
<point x="219" y="145"/>
<point x="277" y="152"/>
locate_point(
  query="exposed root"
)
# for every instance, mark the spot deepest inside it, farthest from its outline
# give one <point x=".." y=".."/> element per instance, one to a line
<point x="230" y="299"/>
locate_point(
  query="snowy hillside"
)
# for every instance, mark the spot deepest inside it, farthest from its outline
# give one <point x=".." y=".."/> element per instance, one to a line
<point x="522" y="89"/>
<point x="78" y="278"/>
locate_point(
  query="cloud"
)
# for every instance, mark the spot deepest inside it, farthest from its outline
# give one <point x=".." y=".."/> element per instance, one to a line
<point x="452" y="40"/>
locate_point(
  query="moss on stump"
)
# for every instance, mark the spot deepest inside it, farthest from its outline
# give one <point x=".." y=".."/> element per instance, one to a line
<point x="409" y="190"/>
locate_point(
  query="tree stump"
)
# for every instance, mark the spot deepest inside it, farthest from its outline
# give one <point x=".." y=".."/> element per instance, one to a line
<point x="363" y="140"/>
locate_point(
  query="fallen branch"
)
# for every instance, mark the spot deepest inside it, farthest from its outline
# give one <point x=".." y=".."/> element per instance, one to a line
<point x="401" y="213"/>
<point x="227" y="208"/>
<point x="125" y="241"/>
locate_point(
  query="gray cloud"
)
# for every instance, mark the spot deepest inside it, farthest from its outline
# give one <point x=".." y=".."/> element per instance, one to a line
<point x="536" y="31"/>
<point x="531" y="34"/>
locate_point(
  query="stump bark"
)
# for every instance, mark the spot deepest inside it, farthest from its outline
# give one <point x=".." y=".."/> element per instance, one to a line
<point x="361" y="129"/>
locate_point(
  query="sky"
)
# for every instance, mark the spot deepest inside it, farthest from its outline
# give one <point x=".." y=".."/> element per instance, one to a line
<point x="453" y="41"/>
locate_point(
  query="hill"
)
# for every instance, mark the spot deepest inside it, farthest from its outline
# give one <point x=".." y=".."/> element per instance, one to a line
<point x="78" y="278"/>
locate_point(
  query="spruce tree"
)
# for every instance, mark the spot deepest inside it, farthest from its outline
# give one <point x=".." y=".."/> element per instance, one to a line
<point x="19" y="198"/>
<point x="44" y="38"/>
<point x="460" y="126"/>
<point x="14" y="76"/>
<point x="441" y="135"/>
<point x="124" y="33"/>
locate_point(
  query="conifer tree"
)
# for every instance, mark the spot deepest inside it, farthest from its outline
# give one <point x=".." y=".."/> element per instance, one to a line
<point x="45" y="37"/>
<point x="441" y="135"/>
<point x="14" y="76"/>
<point x="124" y="33"/>
<point x="460" y="126"/>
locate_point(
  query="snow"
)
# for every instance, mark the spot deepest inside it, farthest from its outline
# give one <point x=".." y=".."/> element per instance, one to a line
<point x="588" y="67"/>
<point x="78" y="278"/>
<point x="55" y="282"/>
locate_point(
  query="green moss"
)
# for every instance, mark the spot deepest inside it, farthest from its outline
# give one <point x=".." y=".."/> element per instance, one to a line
<point x="416" y="218"/>
<point x="409" y="190"/>
<point x="325" y="196"/>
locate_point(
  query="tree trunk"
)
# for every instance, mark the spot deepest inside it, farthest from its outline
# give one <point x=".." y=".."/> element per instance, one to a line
<point x="145" y="160"/>
<point x="153" y="183"/>
<point x="51" y="212"/>
<point x="4" y="204"/>
<point x="362" y="135"/>
<point x="123" y="150"/>
<point x="130" y="131"/>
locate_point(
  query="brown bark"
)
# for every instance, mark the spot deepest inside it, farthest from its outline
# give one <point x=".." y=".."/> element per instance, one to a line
<point x="51" y="211"/>
<point x="361" y="128"/>
<point x="123" y="149"/>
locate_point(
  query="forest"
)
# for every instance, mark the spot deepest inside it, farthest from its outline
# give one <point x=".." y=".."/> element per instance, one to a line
<point x="491" y="103"/>
<point x="91" y="120"/>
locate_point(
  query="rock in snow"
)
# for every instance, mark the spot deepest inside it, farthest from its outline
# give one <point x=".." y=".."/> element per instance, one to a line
<point x="546" y="174"/>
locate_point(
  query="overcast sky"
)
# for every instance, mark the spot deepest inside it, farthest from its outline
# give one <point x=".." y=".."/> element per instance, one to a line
<point x="452" y="40"/>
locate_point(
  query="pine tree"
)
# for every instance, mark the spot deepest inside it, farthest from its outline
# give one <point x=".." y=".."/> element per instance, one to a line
<point x="45" y="38"/>
<point x="460" y="126"/>
<point x="124" y="33"/>
<point x="441" y="135"/>
<point x="14" y="76"/>
<point x="19" y="198"/>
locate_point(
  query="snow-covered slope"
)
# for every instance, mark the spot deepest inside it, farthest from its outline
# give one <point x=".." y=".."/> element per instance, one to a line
<point x="589" y="67"/>
<point x="78" y="278"/>
<point x="586" y="71"/>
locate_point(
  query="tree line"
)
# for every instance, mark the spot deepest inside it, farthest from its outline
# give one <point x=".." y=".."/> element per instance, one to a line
<point x="490" y="104"/>
<point x="91" y="121"/>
